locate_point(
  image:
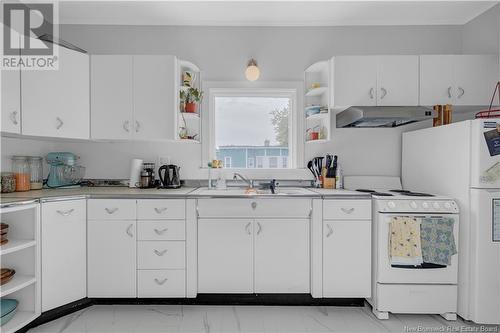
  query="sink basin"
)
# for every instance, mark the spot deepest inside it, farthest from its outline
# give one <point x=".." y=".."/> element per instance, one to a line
<point x="237" y="191"/>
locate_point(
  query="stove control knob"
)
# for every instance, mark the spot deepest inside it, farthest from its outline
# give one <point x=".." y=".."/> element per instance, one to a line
<point x="425" y="205"/>
<point x="391" y="204"/>
<point x="447" y="205"/>
<point x="413" y="205"/>
<point x="436" y="205"/>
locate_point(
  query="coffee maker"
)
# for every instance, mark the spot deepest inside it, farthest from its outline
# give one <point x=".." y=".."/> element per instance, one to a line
<point x="169" y="176"/>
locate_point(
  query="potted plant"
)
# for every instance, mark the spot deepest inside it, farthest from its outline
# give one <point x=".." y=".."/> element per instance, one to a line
<point x="190" y="98"/>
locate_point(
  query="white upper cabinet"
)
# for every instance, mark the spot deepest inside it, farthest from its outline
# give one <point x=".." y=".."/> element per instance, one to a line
<point x="457" y="79"/>
<point x="11" y="101"/>
<point x="111" y="95"/>
<point x="133" y="97"/>
<point x="397" y="80"/>
<point x="375" y="80"/>
<point x="154" y="102"/>
<point x="355" y="81"/>
<point x="55" y="103"/>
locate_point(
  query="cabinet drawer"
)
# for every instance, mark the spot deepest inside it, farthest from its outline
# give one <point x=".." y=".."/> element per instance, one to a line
<point x="347" y="209"/>
<point x="59" y="211"/>
<point x="161" y="230"/>
<point x="160" y="209"/>
<point x="225" y="208"/>
<point x="160" y="255"/>
<point x="111" y="209"/>
<point x="161" y="283"/>
<point x="298" y="208"/>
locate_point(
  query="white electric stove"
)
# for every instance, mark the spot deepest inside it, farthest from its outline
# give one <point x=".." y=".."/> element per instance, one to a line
<point x="426" y="288"/>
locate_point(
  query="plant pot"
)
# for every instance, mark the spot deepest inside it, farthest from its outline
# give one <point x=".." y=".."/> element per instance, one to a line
<point x="190" y="107"/>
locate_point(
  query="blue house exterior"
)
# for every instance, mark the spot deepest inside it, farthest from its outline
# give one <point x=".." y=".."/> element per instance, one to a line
<point x="253" y="157"/>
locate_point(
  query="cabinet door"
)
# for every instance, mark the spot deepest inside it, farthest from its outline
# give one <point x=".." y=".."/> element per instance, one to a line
<point x="11" y="101"/>
<point x="475" y="78"/>
<point x="355" y="81"/>
<point x="56" y="102"/>
<point x="347" y="258"/>
<point x="64" y="253"/>
<point x="154" y="89"/>
<point x="225" y="256"/>
<point x="112" y="96"/>
<point x="111" y="258"/>
<point x="436" y="79"/>
<point x="282" y="256"/>
<point x="397" y="80"/>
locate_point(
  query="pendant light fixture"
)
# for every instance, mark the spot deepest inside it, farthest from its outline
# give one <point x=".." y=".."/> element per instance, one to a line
<point x="252" y="72"/>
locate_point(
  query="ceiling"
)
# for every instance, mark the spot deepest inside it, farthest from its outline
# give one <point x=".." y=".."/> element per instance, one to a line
<point x="271" y="13"/>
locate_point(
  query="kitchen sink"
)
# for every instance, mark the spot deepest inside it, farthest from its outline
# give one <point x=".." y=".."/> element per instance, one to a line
<point x="238" y="191"/>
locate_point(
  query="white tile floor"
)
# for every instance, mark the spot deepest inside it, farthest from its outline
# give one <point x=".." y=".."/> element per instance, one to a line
<point x="213" y="319"/>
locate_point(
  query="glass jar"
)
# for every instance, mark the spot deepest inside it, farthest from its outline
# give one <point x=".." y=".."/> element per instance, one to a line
<point x="8" y="182"/>
<point x="21" y="170"/>
<point x="36" y="171"/>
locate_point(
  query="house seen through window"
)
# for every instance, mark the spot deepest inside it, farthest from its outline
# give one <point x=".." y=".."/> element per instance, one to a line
<point x="252" y="132"/>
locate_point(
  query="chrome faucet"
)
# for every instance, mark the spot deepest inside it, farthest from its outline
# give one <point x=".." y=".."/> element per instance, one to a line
<point x="248" y="181"/>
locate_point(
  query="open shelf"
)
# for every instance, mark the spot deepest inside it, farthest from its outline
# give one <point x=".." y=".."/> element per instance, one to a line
<point x="20" y="319"/>
<point x="16" y="245"/>
<point x="18" y="282"/>
<point x="188" y="141"/>
<point x="190" y="115"/>
<point x="316" y="91"/>
<point x="317" y="116"/>
<point x="317" y="141"/>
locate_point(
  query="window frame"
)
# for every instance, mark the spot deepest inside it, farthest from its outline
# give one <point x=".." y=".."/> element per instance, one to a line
<point x="288" y="89"/>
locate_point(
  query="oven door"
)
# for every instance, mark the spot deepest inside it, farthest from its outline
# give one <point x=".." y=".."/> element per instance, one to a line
<point x="388" y="274"/>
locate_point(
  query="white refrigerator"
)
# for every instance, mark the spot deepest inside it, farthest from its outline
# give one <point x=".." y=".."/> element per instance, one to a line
<point x="462" y="161"/>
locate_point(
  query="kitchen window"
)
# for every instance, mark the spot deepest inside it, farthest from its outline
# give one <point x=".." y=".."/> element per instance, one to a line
<point x="253" y="128"/>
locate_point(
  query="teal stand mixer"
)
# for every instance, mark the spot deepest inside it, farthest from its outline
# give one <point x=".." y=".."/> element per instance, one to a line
<point x="63" y="172"/>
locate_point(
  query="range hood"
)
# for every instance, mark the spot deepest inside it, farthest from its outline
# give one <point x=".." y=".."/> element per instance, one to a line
<point x="382" y="116"/>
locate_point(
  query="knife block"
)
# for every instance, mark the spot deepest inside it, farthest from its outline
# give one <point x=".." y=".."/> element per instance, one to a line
<point x="329" y="183"/>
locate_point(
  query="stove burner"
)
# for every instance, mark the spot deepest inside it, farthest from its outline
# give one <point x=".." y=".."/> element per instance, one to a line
<point x="373" y="192"/>
<point x="365" y="190"/>
<point x="399" y="191"/>
<point x="417" y="194"/>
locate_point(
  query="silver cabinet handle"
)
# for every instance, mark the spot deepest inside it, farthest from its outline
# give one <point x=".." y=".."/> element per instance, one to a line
<point x="160" y="253"/>
<point x="372" y="93"/>
<point x="449" y="92"/>
<point x="111" y="210"/>
<point x="347" y="210"/>
<point x="330" y="230"/>
<point x="254" y="205"/>
<point x="462" y="92"/>
<point x="160" y="282"/>
<point x="160" y="210"/>
<point x="13" y="117"/>
<point x="60" y="123"/>
<point x="259" y="228"/>
<point x="137" y="126"/>
<point x="160" y="232"/>
<point x="65" y="213"/>
<point x="384" y="92"/>
<point x="247" y="228"/>
<point x="129" y="230"/>
<point x="126" y="126"/>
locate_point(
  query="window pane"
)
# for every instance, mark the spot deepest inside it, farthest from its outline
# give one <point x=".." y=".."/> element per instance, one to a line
<point x="252" y="131"/>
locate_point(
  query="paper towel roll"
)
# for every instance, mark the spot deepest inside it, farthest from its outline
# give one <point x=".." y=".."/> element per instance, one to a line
<point x="135" y="172"/>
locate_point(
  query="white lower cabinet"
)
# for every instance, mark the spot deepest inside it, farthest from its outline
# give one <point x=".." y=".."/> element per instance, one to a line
<point x="64" y="277"/>
<point x="225" y="256"/>
<point x="161" y="255"/>
<point x="347" y="258"/>
<point x="282" y="256"/>
<point x="161" y="283"/>
<point x="111" y="258"/>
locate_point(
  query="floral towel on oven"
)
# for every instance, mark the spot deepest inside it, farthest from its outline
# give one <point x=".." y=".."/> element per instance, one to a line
<point x="438" y="242"/>
<point x="404" y="241"/>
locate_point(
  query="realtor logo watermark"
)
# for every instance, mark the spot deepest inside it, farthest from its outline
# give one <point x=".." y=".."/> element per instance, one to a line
<point x="28" y="28"/>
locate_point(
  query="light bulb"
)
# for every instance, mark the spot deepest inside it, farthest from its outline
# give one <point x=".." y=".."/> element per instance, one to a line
<point x="252" y="72"/>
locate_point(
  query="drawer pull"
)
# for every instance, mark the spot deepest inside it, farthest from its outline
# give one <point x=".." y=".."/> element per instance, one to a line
<point x="160" y="232"/>
<point x="259" y="230"/>
<point x="160" y="210"/>
<point x="247" y="228"/>
<point x="129" y="231"/>
<point x="111" y="210"/>
<point x="330" y="230"/>
<point x="160" y="282"/>
<point x="254" y="205"/>
<point x="160" y="253"/>
<point x="347" y="210"/>
<point x="66" y="212"/>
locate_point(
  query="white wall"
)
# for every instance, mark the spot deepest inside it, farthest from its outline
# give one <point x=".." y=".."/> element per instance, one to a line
<point x="482" y="34"/>
<point x="222" y="52"/>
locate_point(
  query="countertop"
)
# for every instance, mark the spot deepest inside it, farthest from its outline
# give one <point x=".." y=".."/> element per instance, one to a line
<point x="125" y="192"/>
